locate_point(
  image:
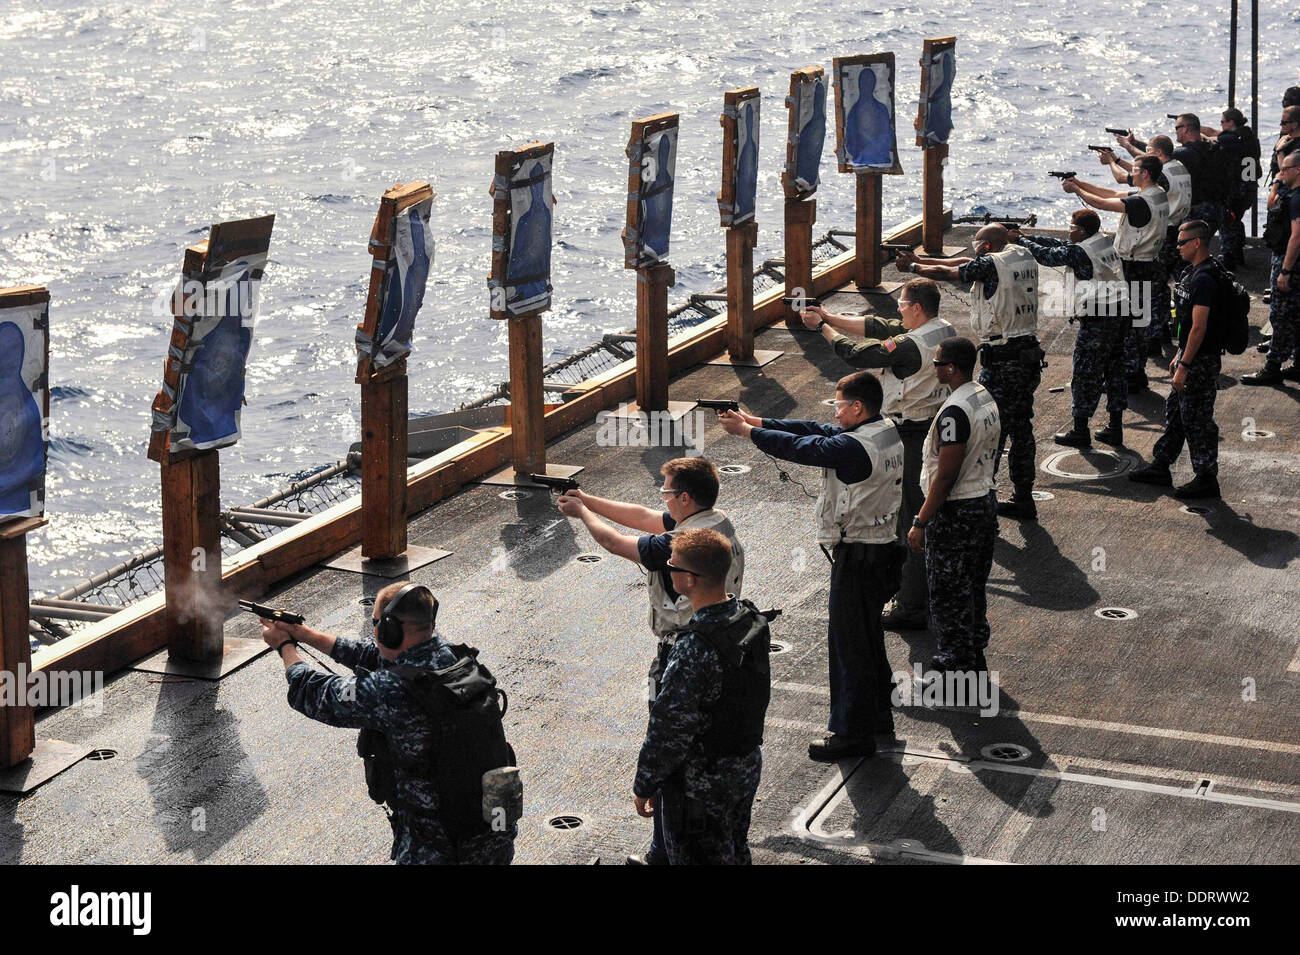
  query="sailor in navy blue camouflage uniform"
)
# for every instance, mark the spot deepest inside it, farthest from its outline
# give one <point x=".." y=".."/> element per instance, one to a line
<point x="1189" y="409"/>
<point x="1004" y="317"/>
<point x="957" y="526"/>
<point x="1097" y="299"/>
<point x="689" y="493"/>
<point x="1144" y="220"/>
<point x="1283" y="234"/>
<point x="857" y="515"/>
<point x="701" y="754"/>
<point x="374" y="698"/>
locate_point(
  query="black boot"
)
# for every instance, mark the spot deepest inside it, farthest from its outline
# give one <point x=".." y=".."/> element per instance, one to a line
<point x="1270" y="374"/>
<point x="1157" y="473"/>
<point x="1021" y="505"/>
<point x="1112" y="434"/>
<point x="1203" y="485"/>
<point x="1077" y="436"/>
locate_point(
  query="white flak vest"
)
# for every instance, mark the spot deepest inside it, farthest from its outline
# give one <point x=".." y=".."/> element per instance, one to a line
<point x="1013" y="309"/>
<point x="975" y="479"/>
<point x="1179" y="192"/>
<point x="1107" y="292"/>
<point x="667" y="614"/>
<point x="918" y="396"/>
<point x="865" y="512"/>
<point x="1142" y="244"/>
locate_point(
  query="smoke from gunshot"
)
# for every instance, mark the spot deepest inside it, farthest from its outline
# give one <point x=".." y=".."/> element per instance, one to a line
<point x="203" y="596"/>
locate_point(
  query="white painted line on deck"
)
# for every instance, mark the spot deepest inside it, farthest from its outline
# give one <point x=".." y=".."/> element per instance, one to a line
<point x="1022" y="818"/>
<point x="1107" y="726"/>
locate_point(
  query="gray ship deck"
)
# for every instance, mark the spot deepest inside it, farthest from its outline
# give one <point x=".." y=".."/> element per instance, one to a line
<point x="1139" y="746"/>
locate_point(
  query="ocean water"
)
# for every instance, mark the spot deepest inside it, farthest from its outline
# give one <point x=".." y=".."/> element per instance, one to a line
<point x="126" y="128"/>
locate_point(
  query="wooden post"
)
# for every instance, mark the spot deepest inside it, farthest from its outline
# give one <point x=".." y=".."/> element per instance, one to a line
<point x="932" y="203"/>
<point x="17" y="723"/>
<point x="800" y="214"/>
<point x="652" y="286"/>
<point x="383" y="467"/>
<point x="868" y="227"/>
<point x="191" y="518"/>
<point x="740" y="291"/>
<point x="527" y="410"/>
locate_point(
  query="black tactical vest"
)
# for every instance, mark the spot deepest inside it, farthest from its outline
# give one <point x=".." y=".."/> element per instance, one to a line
<point x="461" y="703"/>
<point x="743" y="643"/>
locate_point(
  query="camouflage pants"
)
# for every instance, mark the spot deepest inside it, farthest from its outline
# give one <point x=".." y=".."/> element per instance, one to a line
<point x="958" y="557"/>
<point x="1148" y="286"/>
<point x="1189" y="417"/>
<point x="1172" y="262"/>
<point x="419" y="840"/>
<point x="711" y="826"/>
<point x="1232" y="236"/>
<point x="1098" y="365"/>
<point x="912" y="596"/>
<point x="1284" y="313"/>
<point x="1012" y="384"/>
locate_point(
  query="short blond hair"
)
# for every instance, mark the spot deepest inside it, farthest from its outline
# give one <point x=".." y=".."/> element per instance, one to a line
<point x="705" y="553"/>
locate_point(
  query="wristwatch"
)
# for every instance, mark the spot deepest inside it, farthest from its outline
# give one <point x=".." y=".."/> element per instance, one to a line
<point x="917" y="522"/>
<point x="820" y="325"/>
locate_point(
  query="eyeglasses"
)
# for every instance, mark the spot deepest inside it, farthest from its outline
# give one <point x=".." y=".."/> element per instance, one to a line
<point x="672" y="568"/>
<point x="1180" y="127"/>
<point x="669" y="492"/>
<point x="843" y="402"/>
<point x="1183" y="242"/>
<point x="938" y="364"/>
<point x="902" y="302"/>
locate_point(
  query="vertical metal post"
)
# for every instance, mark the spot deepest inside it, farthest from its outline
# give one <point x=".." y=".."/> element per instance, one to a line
<point x="1232" y="57"/>
<point x="1254" y="97"/>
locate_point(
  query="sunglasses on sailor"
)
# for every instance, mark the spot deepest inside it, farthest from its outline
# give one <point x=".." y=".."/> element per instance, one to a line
<point x="673" y="568"/>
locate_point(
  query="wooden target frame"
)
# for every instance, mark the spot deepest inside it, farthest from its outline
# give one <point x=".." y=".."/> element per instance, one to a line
<point x="634" y="232"/>
<point x="800" y="80"/>
<point x="865" y="60"/>
<point x="733" y="100"/>
<point x="508" y="164"/>
<point x="226" y="243"/>
<point x="383" y="265"/>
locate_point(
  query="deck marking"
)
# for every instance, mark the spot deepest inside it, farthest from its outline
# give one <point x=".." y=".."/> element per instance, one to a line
<point x="1080" y="723"/>
<point x="1294" y="665"/>
<point x="1022" y="818"/>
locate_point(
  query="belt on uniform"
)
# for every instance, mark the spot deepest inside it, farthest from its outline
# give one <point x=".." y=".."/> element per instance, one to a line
<point x="1012" y="347"/>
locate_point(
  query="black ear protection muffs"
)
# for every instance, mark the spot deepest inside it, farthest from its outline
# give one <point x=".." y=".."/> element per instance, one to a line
<point x="389" y="632"/>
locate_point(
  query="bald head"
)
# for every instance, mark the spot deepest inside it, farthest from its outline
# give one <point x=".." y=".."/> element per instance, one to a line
<point x="995" y="235"/>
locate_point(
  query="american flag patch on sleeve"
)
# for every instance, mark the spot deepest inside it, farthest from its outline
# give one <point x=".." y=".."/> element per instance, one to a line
<point x="890" y="344"/>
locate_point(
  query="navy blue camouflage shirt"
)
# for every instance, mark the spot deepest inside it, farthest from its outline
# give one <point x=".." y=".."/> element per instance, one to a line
<point x="1058" y="252"/>
<point x="374" y="698"/>
<point x="680" y="717"/>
